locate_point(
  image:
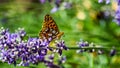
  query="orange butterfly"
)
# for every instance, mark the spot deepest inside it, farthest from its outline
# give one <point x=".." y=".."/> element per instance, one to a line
<point x="50" y="29"/>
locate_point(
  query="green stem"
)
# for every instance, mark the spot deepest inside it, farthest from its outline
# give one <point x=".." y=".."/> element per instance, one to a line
<point x="86" y="48"/>
<point x="75" y="48"/>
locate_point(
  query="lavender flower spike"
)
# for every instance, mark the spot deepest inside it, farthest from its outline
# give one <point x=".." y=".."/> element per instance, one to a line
<point x="33" y="50"/>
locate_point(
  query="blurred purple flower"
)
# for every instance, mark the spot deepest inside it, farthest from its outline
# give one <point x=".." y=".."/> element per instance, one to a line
<point x="113" y="51"/>
<point x="117" y="16"/>
<point x="107" y="14"/>
<point x="100" y="1"/>
<point x="117" y="13"/>
<point x="118" y="2"/>
<point x="57" y="3"/>
<point x="107" y="1"/>
<point x="54" y="9"/>
<point x="42" y="1"/>
<point x="67" y="5"/>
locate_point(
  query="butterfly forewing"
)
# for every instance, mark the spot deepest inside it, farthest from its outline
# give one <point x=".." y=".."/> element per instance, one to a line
<point x="49" y="29"/>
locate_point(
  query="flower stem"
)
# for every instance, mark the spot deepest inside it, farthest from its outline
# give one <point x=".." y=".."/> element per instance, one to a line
<point x="75" y="48"/>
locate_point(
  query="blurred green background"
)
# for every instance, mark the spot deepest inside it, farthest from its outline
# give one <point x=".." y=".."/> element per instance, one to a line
<point x="85" y="19"/>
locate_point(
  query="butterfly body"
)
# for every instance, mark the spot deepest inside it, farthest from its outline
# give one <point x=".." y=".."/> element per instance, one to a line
<point x="50" y="29"/>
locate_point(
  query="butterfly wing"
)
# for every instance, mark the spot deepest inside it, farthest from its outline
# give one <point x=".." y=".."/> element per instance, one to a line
<point x="49" y="28"/>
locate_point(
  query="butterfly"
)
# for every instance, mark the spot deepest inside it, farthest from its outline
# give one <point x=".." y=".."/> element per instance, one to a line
<point x="50" y="29"/>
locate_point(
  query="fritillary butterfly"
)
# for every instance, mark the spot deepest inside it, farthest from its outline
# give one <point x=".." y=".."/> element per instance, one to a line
<point x="50" y="29"/>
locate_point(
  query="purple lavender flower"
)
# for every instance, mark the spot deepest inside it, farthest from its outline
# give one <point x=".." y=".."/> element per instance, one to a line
<point x="51" y="65"/>
<point x="88" y="47"/>
<point x="61" y="45"/>
<point x="33" y="50"/>
<point x="82" y="44"/>
<point x="51" y="57"/>
<point x="92" y="48"/>
<point x="3" y="31"/>
<point x="21" y="32"/>
<point x="62" y="60"/>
